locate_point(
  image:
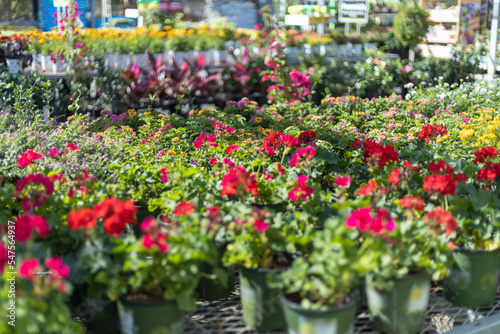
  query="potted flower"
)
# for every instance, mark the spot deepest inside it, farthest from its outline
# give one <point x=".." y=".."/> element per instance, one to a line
<point x="35" y="298"/>
<point x="474" y="276"/>
<point x="318" y="290"/>
<point x="408" y="247"/>
<point x="262" y="246"/>
<point x="154" y="277"/>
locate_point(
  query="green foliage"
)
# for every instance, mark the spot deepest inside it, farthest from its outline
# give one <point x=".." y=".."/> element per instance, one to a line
<point x="411" y="25"/>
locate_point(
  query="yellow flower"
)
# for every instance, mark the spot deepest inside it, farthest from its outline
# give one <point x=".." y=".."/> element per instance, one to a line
<point x="267" y="132"/>
<point x="175" y="139"/>
<point x="70" y="118"/>
<point x="443" y="138"/>
<point x="258" y="120"/>
<point x="466" y="133"/>
<point x="147" y="113"/>
<point x="132" y="113"/>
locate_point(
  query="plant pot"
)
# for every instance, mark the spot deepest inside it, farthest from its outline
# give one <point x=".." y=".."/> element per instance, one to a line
<point x="14" y="65"/>
<point x="36" y="63"/>
<point x="141" y="60"/>
<point x="147" y="317"/>
<point x="214" y="289"/>
<point x="473" y="279"/>
<point x="262" y="310"/>
<point x="338" y="320"/>
<point x="102" y="317"/>
<point x="58" y="67"/>
<point x="401" y="309"/>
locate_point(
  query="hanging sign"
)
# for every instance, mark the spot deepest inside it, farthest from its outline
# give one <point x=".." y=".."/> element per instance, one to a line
<point x="355" y="11"/>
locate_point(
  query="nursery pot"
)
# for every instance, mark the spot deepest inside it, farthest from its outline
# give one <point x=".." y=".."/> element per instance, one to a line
<point x="148" y="317"/>
<point x="262" y="310"/>
<point x="401" y="309"/>
<point x="473" y="280"/>
<point x="104" y="319"/>
<point x="213" y="289"/>
<point x="333" y="320"/>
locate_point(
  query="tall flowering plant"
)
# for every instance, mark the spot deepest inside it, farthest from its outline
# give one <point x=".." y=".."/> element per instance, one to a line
<point x="401" y="236"/>
<point x="259" y="240"/>
<point x="476" y="204"/>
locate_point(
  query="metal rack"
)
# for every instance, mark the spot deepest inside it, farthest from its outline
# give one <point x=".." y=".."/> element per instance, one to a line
<point x="442" y="317"/>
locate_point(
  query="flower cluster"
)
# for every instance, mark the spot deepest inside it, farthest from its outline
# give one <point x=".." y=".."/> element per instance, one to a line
<point x="204" y="138"/>
<point x="221" y="129"/>
<point x="153" y="236"/>
<point x="238" y="182"/>
<point x="431" y="132"/>
<point x="440" y="219"/>
<point x="34" y="190"/>
<point x="484" y="154"/>
<point x="26" y="158"/>
<point x="376" y="155"/>
<point x="442" y="181"/>
<point x="58" y="271"/>
<point x="303" y="157"/>
<point x="115" y="213"/>
<point x="365" y="220"/>
<point x="26" y="223"/>
<point x="301" y="189"/>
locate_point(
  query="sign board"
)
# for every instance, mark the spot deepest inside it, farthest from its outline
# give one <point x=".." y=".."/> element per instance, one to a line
<point x="61" y="3"/>
<point x="355" y="11"/>
<point x="297" y="19"/>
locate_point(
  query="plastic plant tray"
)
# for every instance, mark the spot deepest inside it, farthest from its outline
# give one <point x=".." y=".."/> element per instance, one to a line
<point x="442" y="317"/>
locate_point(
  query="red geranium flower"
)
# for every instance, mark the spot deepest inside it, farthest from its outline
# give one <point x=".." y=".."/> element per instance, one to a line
<point x="231" y="149"/>
<point x="415" y="203"/>
<point x="431" y="131"/>
<point x="238" y="182"/>
<point x="368" y="189"/>
<point x="307" y="137"/>
<point x="116" y="214"/>
<point x="394" y="177"/>
<point x="289" y="140"/>
<point x="184" y="208"/>
<point x="439" y="217"/>
<point x="485" y="153"/>
<point x="81" y="219"/>
<point x="28" y="157"/>
<point x="379" y="155"/>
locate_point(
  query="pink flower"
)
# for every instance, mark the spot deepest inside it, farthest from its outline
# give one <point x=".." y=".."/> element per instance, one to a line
<point x="72" y="146"/>
<point x="306" y="154"/>
<point x="58" y="268"/>
<point x="228" y="162"/>
<point x="260" y="225"/>
<point x="302" y="190"/>
<point x="27" y="269"/>
<point x="53" y="152"/>
<point x="198" y="143"/>
<point x="342" y="181"/>
<point x="28" y="157"/>
<point x="376" y="61"/>
<point x="213" y="161"/>
<point x="232" y="149"/>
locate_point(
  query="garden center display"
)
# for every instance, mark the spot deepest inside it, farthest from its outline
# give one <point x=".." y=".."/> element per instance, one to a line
<point x="138" y="185"/>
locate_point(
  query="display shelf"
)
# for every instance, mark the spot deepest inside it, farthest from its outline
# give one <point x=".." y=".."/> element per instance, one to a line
<point x="442" y="317"/>
<point x="445" y="17"/>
